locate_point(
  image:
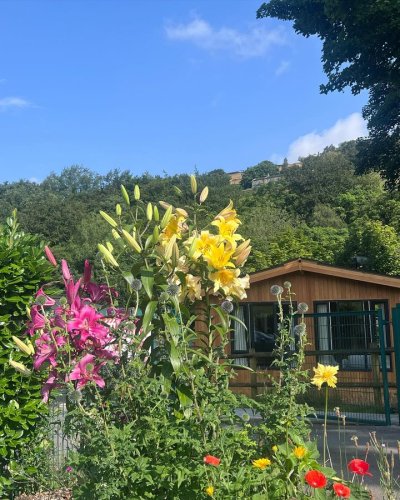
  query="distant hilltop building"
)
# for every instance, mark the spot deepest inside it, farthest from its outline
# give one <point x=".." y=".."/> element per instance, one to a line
<point x="236" y="177"/>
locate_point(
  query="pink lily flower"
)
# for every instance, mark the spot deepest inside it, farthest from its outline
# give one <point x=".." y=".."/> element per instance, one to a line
<point x="46" y="350"/>
<point x="86" y="324"/>
<point x="50" y="383"/>
<point x="86" y="371"/>
<point x="38" y="321"/>
<point x="49" y="301"/>
<point x="108" y="353"/>
<point x="72" y="290"/>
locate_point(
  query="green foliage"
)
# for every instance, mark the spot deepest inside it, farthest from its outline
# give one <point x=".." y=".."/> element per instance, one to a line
<point x="23" y="269"/>
<point x="376" y="241"/>
<point x="36" y="468"/>
<point x="264" y="169"/>
<point x="360" y="50"/>
<point x="318" y="181"/>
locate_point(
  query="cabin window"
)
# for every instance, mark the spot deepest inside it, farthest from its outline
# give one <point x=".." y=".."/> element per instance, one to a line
<point x="261" y="320"/>
<point x="349" y="335"/>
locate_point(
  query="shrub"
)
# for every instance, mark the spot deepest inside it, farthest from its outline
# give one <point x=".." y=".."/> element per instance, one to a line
<point x="23" y="269"/>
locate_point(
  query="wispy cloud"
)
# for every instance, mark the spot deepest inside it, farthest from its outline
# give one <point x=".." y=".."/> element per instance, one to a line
<point x="253" y="43"/>
<point x="346" y="129"/>
<point x="282" y="68"/>
<point x="13" y="102"/>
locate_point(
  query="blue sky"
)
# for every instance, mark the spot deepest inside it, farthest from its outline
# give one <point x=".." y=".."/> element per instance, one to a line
<point x="159" y="86"/>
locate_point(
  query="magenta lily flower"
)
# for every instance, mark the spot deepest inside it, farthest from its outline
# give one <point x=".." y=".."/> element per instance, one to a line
<point x="46" y="350"/>
<point x="49" y="301"/>
<point x="86" y="371"/>
<point x="50" y="384"/>
<point x="38" y="321"/>
<point x="85" y="323"/>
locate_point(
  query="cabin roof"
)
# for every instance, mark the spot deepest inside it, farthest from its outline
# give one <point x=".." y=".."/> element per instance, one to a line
<point x="313" y="266"/>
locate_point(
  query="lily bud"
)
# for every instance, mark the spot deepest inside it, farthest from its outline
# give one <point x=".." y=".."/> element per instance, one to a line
<point x="242" y="257"/>
<point x="109" y="246"/>
<point x="118" y="209"/>
<point x="20" y="368"/>
<point x="169" y="248"/>
<point x="115" y="234"/>
<point x="136" y="193"/>
<point x="149" y="212"/>
<point x="156" y="234"/>
<point x="182" y="212"/>
<point x="175" y="255"/>
<point x="177" y="190"/>
<point x="193" y="184"/>
<point x="27" y="349"/>
<point x="109" y="219"/>
<point x="156" y="213"/>
<point x="131" y="241"/>
<point x="166" y="217"/>
<point x="50" y="256"/>
<point x="125" y="195"/>
<point x="149" y="241"/>
<point x="203" y="195"/>
<point x="107" y="255"/>
<point x="164" y="205"/>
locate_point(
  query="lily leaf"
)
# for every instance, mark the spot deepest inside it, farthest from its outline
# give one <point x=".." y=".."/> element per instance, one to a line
<point x="148" y="281"/>
<point x="148" y="315"/>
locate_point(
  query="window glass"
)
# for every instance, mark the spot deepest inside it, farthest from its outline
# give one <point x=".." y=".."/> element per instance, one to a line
<point x="264" y="327"/>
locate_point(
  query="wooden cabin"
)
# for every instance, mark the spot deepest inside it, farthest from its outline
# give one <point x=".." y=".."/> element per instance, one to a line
<point x="340" y="329"/>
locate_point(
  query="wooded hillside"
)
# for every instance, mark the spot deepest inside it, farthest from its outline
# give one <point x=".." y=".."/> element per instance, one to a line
<point x="320" y="210"/>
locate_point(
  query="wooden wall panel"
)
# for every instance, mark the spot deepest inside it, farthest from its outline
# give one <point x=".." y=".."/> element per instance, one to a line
<point x="311" y="287"/>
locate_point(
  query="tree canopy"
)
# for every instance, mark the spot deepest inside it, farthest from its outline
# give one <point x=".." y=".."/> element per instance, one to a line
<point x="318" y="209"/>
<point x="361" y="50"/>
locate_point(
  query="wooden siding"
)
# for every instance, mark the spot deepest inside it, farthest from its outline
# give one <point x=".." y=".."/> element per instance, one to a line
<point x="311" y="287"/>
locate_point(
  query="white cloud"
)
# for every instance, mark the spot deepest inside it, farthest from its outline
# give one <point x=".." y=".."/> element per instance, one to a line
<point x="253" y="43"/>
<point x="13" y="102"/>
<point x="343" y="130"/>
<point x="282" y="68"/>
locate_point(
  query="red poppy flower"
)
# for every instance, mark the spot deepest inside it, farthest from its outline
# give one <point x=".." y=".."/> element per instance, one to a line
<point x="315" y="479"/>
<point x="211" y="460"/>
<point x="358" y="466"/>
<point x="341" y="490"/>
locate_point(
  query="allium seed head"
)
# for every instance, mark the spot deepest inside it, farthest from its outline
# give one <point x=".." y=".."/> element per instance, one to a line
<point x="302" y="307"/>
<point x="75" y="396"/>
<point x="136" y="285"/>
<point x="227" y="306"/>
<point x="41" y="300"/>
<point x="287" y="284"/>
<point x="173" y="289"/>
<point x="276" y="290"/>
<point x="299" y="329"/>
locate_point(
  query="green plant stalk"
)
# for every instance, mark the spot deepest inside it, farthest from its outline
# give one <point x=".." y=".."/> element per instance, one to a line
<point x="340" y="447"/>
<point x="325" y="422"/>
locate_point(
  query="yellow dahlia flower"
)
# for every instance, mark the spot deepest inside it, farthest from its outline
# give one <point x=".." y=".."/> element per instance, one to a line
<point x="261" y="463"/>
<point x="325" y="374"/>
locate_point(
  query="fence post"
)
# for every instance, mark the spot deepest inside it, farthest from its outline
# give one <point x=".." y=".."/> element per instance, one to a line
<point x="386" y="396"/>
<point x="396" y="344"/>
<point x="376" y="375"/>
